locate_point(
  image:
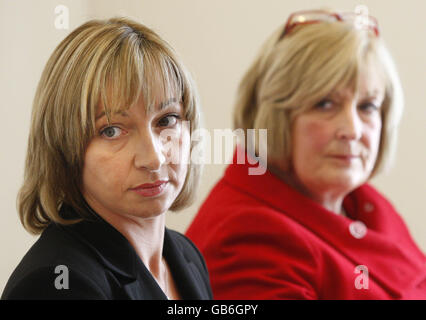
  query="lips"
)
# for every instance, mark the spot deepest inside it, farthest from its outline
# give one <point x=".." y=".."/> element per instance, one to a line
<point x="150" y="189"/>
<point x="345" y="156"/>
<point x="150" y="185"/>
<point x="345" y="159"/>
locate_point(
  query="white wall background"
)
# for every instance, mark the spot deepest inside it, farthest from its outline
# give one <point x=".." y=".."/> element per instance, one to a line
<point x="217" y="40"/>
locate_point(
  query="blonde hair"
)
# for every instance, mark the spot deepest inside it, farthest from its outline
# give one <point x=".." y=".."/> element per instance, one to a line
<point x="293" y="72"/>
<point x="103" y="61"/>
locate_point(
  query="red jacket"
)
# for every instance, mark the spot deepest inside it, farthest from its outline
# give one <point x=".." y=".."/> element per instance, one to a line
<point x="263" y="240"/>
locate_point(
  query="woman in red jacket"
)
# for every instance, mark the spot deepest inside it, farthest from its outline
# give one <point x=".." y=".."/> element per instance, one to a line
<point x="311" y="227"/>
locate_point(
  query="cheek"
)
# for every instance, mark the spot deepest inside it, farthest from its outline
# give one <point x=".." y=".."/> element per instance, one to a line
<point x="101" y="169"/>
<point x="185" y="145"/>
<point x="310" y="137"/>
<point x="180" y="167"/>
<point x="175" y="144"/>
<point x="372" y="135"/>
<point x="376" y="131"/>
<point x="178" y="147"/>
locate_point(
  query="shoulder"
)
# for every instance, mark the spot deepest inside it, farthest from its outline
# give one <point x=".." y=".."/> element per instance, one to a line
<point x="368" y="192"/>
<point x="258" y="232"/>
<point x="51" y="282"/>
<point x="187" y="247"/>
<point x="369" y="199"/>
<point x="257" y="248"/>
<point x="263" y="226"/>
<point x="187" y="255"/>
<point x="391" y="221"/>
<point x="53" y="255"/>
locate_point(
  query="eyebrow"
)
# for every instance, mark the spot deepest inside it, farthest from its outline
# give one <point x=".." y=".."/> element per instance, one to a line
<point x="122" y="113"/>
<point x="369" y="94"/>
<point x="161" y="106"/>
<point x="374" y="94"/>
<point x="167" y="103"/>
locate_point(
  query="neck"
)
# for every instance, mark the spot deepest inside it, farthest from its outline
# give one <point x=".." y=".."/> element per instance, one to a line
<point x="331" y="200"/>
<point x="146" y="235"/>
<point x="147" y="238"/>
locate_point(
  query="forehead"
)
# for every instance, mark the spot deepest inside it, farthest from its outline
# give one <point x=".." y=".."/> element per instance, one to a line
<point x="371" y="83"/>
<point x="371" y="80"/>
<point x="158" y="105"/>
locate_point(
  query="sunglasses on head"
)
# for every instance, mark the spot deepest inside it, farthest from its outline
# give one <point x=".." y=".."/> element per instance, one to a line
<point x="360" y="20"/>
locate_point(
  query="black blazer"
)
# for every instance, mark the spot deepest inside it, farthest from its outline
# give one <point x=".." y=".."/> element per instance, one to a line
<point x="102" y="264"/>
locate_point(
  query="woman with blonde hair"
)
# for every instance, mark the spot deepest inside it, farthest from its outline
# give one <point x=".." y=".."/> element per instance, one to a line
<point x="326" y="89"/>
<point x="107" y="156"/>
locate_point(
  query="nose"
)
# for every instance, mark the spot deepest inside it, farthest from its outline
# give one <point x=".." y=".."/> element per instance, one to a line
<point x="149" y="154"/>
<point x="349" y="123"/>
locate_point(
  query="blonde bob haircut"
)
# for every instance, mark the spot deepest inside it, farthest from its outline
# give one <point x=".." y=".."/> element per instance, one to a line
<point x="103" y="61"/>
<point x="294" y="72"/>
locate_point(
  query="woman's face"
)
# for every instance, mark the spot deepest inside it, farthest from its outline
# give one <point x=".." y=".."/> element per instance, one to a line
<point x="134" y="151"/>
<point x="336" y="141"/>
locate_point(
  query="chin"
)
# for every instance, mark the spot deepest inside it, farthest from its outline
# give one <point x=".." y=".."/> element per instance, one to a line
<point x="347" y="182"/>
<point x="148" y="213"/>
<point x="149" y="210"/>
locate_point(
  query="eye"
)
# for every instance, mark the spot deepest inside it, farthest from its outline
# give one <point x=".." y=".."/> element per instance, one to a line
<point x="324" y="104"/>
<point x="369" y="107"/>
<point x="111" y="132"/>
<point x="169" y="120"/>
